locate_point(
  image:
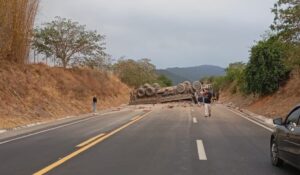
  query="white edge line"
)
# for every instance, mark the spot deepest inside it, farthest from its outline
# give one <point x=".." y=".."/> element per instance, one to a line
<point x="3" y="131"/>
<point x="47" y="130"/>
<point x="201" y="150"/>
<point x="51" y="129"/>
<point x="195" y="120"/>
<point x="253" y="121"/>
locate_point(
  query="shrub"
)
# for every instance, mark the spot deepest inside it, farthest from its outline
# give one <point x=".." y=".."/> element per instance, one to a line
<point x="266" y="70"/>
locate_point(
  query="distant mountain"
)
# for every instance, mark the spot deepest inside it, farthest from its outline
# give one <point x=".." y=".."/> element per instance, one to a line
<point x="178" y="75"/>
<point x="174" y="77"/>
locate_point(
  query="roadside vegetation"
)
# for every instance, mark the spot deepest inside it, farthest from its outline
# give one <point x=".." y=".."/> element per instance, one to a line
<point x="36" y="92"/>
<point x="17" y="19"/>
<point x="55" y="69"/>
<point x="269" y="83"/>
<point x="272" y="59"/>
<point x="137" y="73"/>
<point x="70" y="66"/>
<point x="70" y="44"/>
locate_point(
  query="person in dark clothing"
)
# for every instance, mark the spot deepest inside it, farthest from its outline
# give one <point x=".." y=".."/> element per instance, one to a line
<point x="95" y="100"/>
<point x="207" y="103"/>
<point x="207" y="97"/>
<point x="201" y="97"/>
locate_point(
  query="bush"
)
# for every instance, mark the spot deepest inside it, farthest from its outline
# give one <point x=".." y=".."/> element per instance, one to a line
<point x="265" y="70"/>
<point x="219" y="83"/>
<point x="164" y="81"/>
<point x="234" y="77"/>
<point x="136" y="73"/>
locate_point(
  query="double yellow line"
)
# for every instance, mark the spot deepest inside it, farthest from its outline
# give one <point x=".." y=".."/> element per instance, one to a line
<point x="88" y="144"/>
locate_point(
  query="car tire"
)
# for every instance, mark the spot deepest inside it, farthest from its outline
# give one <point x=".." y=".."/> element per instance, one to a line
<point x="276" y="161"/>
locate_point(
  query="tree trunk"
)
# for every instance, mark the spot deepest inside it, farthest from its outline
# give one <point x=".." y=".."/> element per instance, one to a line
<point x="64" y="62"/>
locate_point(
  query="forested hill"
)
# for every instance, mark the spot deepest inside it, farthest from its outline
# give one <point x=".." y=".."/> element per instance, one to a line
<point x="178" y="75"/>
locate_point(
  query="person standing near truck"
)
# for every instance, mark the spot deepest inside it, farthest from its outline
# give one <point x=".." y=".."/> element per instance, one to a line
<point x="196" y="97"/>
<point x="201" y="97"/>
<point x="95" y="100"/>
<point x="207" y="103"/>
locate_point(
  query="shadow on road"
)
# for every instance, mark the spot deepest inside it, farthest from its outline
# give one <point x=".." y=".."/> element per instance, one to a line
<point x="289" y="169"/>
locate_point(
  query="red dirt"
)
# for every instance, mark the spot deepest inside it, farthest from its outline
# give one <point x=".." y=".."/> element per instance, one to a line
<point x="277" y="104"/>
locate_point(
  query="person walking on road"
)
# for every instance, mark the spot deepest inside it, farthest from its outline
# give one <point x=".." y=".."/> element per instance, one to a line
<point x="207" y="103"/>
<point x="196" y="97"/>
<point x="95" y="103"/>
<point x="201" y="97"/>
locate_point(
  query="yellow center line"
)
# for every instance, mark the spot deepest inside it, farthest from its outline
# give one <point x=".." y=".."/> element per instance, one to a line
<point x="90" y="140"/>
<point x="136" y="117"/>
<point x="82" y="149"/>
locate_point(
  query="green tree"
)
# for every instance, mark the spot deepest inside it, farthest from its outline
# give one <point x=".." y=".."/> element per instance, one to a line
<point x="70" y="43"/>
<point x="234" y="72"/>
<point x="218" y="83"/>
<point x="265" y="70"/>
<point x="164" y="81"/>
<point x="287" y="19"/>
<point x="233" y="79"/>
<point x="135" y="73"/>
<point x="293" y="56"/>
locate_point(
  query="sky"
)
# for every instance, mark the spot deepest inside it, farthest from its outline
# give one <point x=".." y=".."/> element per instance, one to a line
<point x="172" y="33"/>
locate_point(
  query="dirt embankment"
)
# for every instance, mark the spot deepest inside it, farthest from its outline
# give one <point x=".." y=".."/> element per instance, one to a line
<point x="277" y="104"/>
<point x="33" y="93"/>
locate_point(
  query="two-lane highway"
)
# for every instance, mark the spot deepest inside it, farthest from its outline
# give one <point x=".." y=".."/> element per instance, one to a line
<point x="166" y="141"/>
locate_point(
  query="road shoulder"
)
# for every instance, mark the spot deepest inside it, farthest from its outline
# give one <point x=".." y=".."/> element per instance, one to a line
<point x="255" y="118"/>
<point x="49" y="125"/>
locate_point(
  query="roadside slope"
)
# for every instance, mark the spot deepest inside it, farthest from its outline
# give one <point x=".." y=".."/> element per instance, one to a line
<point x="277" y="104"/>
<point x="33" y="93"/>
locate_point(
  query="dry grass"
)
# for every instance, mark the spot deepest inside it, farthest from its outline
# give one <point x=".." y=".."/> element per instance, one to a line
<point x="17" y="19"/>
<point x="33" y="93"/>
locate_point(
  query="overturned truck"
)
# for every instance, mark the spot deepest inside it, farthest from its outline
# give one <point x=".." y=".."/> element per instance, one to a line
<point x="153" y="94"/>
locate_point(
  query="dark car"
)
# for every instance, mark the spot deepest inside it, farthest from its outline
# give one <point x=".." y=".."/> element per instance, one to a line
<point x="285" y="140"/>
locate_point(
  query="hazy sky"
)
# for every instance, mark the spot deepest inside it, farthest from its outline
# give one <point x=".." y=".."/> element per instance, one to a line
<point x="172" y="33"/>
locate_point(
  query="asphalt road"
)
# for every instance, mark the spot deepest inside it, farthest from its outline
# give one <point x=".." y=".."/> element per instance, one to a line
<point x="164" y="141"/>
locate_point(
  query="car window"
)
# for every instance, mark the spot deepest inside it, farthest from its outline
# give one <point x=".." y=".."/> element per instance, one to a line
<point x="293" y="117"/>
